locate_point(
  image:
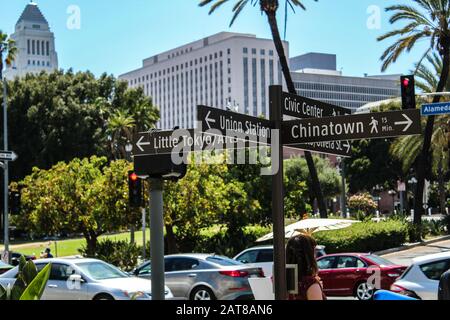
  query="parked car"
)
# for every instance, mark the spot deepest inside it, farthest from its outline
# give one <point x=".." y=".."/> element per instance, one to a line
<point x="15" y="257"/>
<point x="421" y="279"/>
<point x="205" y="277"/>
<point x="347" y="274"/>
<point x="88" y="279"/>
<point x="4" y="267"/>
<point x="262" y="257"/>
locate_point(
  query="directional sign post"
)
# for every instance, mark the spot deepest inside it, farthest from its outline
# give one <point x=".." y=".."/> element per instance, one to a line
<point x="355" y="127"/>
<point x="302" y="107"/>
<point x="8" y="156"/>
<point x="434" y="109"/>
<point x="234" y="124"/>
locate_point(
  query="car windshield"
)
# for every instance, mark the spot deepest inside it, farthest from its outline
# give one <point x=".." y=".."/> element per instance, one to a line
<point x="380" y="261"/>
<point x="223" y="261"/>
<point x="101" y="271"/>
<point x="2" y="264"/>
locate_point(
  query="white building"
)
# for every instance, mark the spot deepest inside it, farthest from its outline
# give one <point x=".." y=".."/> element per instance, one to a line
<point x="35" y="43"/>
<point x="315" y="76"/>
<point x="224" y="70"/>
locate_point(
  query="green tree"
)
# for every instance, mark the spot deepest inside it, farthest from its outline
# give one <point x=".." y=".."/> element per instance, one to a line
<point x="427" y="20"/>
<point x="296" y="176"/>
<point x="64" y="115"/>
<point x="8" y="52"/>
<point x="84" y="196"/>
<point x="270" y="8"/>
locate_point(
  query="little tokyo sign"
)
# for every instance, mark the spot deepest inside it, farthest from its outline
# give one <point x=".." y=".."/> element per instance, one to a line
<point x="354" y="127"/>
<point x="185" y="141"/>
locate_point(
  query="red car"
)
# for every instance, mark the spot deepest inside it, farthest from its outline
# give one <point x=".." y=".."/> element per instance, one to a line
<point x="355" y="274"/>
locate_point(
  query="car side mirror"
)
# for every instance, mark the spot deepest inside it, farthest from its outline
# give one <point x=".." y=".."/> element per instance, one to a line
<point x="243" y="261"/>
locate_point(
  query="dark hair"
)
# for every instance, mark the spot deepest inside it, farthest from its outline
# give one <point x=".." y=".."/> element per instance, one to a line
<point x="300" y="250"/>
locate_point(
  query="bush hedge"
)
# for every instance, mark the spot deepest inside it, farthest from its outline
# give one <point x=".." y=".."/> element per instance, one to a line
<point x="364" y="237"/>
<point x="122" y="254"/>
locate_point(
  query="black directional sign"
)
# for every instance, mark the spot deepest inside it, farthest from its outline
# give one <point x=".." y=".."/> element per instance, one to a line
<point x="335" y="148"/>
<point x="232" y="124"/>
<point x="354" y="127"/>
<point x="8" y="156"/>
<point x="184" y="141"/>
<point x="302" y="107"/>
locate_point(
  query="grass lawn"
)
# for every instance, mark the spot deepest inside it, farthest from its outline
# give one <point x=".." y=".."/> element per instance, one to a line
<point x="70" y="247"/>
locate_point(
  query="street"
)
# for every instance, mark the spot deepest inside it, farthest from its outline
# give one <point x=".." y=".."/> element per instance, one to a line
<point x="405" y="257"/>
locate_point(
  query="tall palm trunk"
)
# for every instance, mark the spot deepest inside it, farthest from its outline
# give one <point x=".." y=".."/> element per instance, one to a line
<point x="317" y="190"/>
<point x="441" y="183"/>
<point x="424" y="161"/>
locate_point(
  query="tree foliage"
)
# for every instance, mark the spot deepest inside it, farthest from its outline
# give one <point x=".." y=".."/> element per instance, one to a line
<point x="64" y="115"/>
<point x="83" y="196"/>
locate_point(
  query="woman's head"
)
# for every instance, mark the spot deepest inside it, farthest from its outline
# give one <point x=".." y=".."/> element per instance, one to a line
<point x="300" y="250"/>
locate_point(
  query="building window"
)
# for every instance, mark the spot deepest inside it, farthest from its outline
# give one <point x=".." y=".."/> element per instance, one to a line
<point x="28" y="46"/>
<point x="263" y="86"/>
<point x="33" y="44"/>
<point x="271" y="73"/>
<point x="245" y="50"/>
<point x="263" y="52"/>
<point x="271" y="53"/>
<point x="43" y="48"/>
<point x="253" y="51"/>
<point x="38" y="47"/>
<point x="246" y="85"/>
<point x="229" y="51"/>
<point x="254" y="87"/>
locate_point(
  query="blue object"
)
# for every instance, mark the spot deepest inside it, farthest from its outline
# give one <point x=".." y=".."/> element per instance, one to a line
<point x="388" y="295"/>
<point x="433" y="109"/>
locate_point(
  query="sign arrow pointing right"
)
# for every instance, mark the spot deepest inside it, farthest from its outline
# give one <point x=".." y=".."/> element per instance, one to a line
<point x="408" y="123"/>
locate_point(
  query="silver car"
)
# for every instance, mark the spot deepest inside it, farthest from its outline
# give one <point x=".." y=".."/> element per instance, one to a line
<point x="205" y="277"/>
<point x="88" y="279"/>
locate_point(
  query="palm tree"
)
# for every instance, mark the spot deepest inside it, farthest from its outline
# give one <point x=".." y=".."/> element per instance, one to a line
<point x="428" y="20"/>
<point x="120" y="129"/>
<point x="270" y="8"/>
<point x="408" y="148"/>
<point x="8" y="51"/>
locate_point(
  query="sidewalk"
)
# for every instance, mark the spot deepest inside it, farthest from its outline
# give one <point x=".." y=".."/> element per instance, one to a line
<point x="408" y="246"/>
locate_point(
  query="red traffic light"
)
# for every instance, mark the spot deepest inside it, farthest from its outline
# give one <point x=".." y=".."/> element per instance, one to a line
<point x="133" y="177"/>
<point x="406" y="82"/>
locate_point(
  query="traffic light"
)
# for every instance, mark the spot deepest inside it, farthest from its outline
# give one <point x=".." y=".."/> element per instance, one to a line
<point x="135" y="190"/>
<point x="14" y="202"/>
<point x="408" y="92"/>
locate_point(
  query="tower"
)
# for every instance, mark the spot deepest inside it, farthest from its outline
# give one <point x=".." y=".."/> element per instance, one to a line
<point x="35" y="43"/>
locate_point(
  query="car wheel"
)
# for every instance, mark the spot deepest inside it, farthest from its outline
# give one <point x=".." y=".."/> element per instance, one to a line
<point x="103" y="296"/>
<point x="202" y="293"/>
<point x="363" y="291"/>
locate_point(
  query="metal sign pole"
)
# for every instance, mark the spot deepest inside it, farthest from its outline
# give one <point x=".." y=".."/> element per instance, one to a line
<point x="5" y="174"/>
<point x="144" y="227"/>
<point x="276" y="116"/>
<point x="157" y="238"/>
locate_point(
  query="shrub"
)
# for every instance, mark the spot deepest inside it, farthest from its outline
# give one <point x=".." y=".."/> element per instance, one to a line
<point x="362" y="203"/>
<point x="223" y="244"/>
<point x="364" y="237"/>
<point x="122" y="254"/>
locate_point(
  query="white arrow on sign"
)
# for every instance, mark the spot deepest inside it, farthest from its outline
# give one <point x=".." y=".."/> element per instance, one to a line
<point x="139" y="144"/>
<point x="348" y="146"/>
<point x="408" y="123"/>
<point x="208" y="119"/>
<point x="8" y="156"/>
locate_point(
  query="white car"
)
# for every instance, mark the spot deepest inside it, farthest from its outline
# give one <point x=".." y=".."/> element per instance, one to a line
<point x="421" y="279"/>
<point x="88" y="279"/>
<point x="262" y="257"/>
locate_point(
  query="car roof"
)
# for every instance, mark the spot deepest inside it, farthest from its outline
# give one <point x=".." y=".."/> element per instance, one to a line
<point x="66" y="260"/>
<point x="201" y="256"/>
<point x="352" y="254"/>
<point x="432" y="257"/>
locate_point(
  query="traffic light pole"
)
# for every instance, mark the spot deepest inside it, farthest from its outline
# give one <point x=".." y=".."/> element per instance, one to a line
<point x="280" y="286"/>
<point x="5" y="175"/>
<point x="157" y="238"/>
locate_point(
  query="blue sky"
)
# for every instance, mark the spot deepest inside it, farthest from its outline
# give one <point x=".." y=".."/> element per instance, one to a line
<point x="115" y="36"/>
